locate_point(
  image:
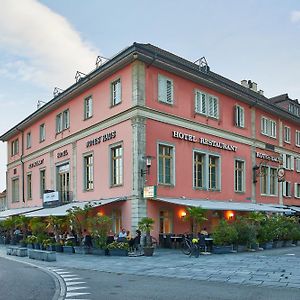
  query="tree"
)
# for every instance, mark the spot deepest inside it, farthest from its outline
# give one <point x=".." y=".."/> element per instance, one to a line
<point x="56" y="225"/>
<point x="100" y="226"/>
<point x="196" y="215"/>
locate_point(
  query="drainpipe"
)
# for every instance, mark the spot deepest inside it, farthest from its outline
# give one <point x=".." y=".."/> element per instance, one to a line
<point x="22" y="165"/>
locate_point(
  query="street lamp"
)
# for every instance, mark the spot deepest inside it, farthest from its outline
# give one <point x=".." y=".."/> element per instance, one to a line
<point x="148" y="160"/>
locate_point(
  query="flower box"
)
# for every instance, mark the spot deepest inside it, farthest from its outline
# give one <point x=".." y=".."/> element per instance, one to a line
<point x="118" y="252"/>
<point x="267" y="245"/>
<point x="68" y="249"/>
<point x="223" y="249"/>
<point x="287" y="243"/>
<point x="59" y="248"/>
<point x="98" y="251"/>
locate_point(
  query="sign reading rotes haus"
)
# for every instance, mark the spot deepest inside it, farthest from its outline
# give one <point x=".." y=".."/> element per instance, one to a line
<point x="203" y="141"/>
<point x="102" y="138"/>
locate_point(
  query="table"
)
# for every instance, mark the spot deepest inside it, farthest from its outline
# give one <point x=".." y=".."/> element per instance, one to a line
<point x="176" y="241"/>
<point x="209" y="243"/>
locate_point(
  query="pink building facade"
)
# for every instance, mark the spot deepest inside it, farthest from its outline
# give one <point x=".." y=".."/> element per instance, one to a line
<point x="150" y="118"/>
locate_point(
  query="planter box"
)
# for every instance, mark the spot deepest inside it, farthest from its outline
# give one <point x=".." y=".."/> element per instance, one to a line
<point x="37" y="246"/>
<point x="148" y="251"/>
<point x="296" y="243"/>
<point x="51" y="248"/>
<point x="30" y="246"/>
<point x="59" y="248"/>
<point x="222" y="249"/>
<point x="68" y="249"/>
<point x="267" y="246"/>
<point x="241" y="248"/>
<point x="82" y="250"/>
<point x="277" y="244"/>
<point x="118" y="252"/>
<point x="97" y="251"/>
<point x="287" y="243"/>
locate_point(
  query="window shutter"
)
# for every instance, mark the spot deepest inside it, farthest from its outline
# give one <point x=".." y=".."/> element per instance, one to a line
<point x="210" y="106"/>
<point x="292" y="163"/>
<point x="296" y="189"/>
<point x="162" y="89"/>
<point x="284" y="188"/>
<point x="215" y="107"/>
<point x="284" y="160"/>
<point x="169" y="91"/>
<point x="197" y="101"/>
<point x="289" y="189"/>
<point x="118" y="92"/>
<point x="235" y="115"/>
<point x="242" y="116"/>
<point x="203" y="103"/>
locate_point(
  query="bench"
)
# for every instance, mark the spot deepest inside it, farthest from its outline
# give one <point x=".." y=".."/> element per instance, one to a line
<point x="16" y="251"/>
<point x="42" y="255"/>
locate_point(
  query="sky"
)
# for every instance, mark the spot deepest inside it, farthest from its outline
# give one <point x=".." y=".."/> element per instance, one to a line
<point x="43" y="44"/>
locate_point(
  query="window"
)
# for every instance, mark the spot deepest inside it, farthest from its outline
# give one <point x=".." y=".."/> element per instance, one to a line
<point x="116" y="89"/>
<point x="298" y="164"/>
<point x="116" y="220"/>
<point x="297" y="138"/>
<point x="206" y="104"/>
<point x="297" y="190"/>
<point x="29" y="187"/>
<point x="288" y="162"/>
<point x="293" y="109"/>
<point x="268" y="181"/>
<point x="88" y="107"/>
<point x="42" y="132"/>
<point x="165" y="90"/>
<point x="239" y="176"/>
<point x="62" y="121"/>
<point x="14" y="147"/>
<point x="165" y="164"/>
<point x="88" y="172"/>
<point x="206" y="171"/>
<point x="239" y="116"/>
<point x="287" y="134"/>
<point x="117" y="165"/>
<point x="42" y="182"/>
<point x="28" y="140"/>
<point x="15" y="190"/>
<point x="286" y="189"/>
<point x="268" y="127"/>
<point x="165" y="221"/>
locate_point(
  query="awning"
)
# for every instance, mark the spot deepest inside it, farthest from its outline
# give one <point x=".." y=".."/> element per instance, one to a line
<point x="62" y="210"/>
<point x="295" y="208"/>
<point x="222" y="205"/>
<point x="17" y="211"/>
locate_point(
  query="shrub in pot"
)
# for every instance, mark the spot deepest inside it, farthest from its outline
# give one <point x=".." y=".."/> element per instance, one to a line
<point x="265" y="233"/>
<point x="246" y="234"/>
<point x="118" y="248"/>
<point x="146" y="225"/>
<point x="68" y="247"/>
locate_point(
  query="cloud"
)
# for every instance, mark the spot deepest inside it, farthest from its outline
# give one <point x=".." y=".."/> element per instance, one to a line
<point x="295" y="16"/>
<point x="41" y="46"/>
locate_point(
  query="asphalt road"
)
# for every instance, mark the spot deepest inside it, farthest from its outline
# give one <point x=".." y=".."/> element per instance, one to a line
<point x="114" y="286"/>
<point x="19" y="281"/>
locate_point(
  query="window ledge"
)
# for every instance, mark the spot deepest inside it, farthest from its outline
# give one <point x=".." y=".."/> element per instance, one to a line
<point x="167" y="103"/>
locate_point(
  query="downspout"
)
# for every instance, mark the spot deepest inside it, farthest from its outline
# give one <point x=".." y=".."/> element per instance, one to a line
<point x="22" y="165"/>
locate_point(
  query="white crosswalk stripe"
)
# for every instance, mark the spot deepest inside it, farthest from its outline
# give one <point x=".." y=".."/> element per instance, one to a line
<point x="76" y="288"/>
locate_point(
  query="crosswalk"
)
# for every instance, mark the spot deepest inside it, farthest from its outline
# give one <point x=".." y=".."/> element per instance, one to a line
<point x="76" y="288"/>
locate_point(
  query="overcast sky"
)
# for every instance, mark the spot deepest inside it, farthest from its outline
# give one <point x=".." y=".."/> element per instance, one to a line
<point x="44" y="43"/>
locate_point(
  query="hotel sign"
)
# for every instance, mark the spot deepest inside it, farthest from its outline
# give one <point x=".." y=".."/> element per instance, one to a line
<point x="203" y="141"/>
<point x="102" y="138"/>
<point x="62" y="154"/>
<point x="36" y="163"/>
<point x="268" y="157"/>
<point x="50" y="197"/>
<point x="150" y="191"/>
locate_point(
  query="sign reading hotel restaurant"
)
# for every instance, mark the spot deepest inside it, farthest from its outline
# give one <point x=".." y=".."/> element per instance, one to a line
<point x="203" y="141"/>
<point x="102" y="138"/>
<point x="268" y="157"/>
<point x="36" y="163"/>
<point x="62" y="153"/>
<point x="50" y="197"/>
<point x="150" y="191"/>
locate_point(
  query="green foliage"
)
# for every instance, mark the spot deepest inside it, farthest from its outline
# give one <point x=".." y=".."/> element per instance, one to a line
<point x="146" y="225"/>
<point x="69" y="243"/>
<point x="225" y="234"/>
<point x="118" y="245"/>
<point x="31" y="239"/>
<point x="100" y="226"/>
<point x="38" y="226"/>
<point x="47" y="242"/>
<point x="197" y="216"/>
<point x="246" y="231"/>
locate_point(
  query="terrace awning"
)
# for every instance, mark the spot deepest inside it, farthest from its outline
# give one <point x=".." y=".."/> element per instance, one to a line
<point x="295" y="208"/>
<point x="17" y="211"/>
<point x="62" y="210"/>
<point x="222" y="205"/>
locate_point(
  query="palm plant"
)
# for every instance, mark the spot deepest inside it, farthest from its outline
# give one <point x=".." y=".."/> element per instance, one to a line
<point x="100" y="226"/>
<point x="146" y="225"/>
<point x="196" y="215"/>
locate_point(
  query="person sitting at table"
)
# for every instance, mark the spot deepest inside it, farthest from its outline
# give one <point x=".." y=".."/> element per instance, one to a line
<point x="87" y="239"/>
<point x="136" y="241"/>
<point x="122" y="235"/>
<point x="204" y="231"/>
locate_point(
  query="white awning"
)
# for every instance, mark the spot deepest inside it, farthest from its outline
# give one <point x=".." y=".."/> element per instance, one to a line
<point x="295" y="208"/>
<point x="62" y="210"/>
<point x="17" y="211"/>
<point x="222" y="205"/>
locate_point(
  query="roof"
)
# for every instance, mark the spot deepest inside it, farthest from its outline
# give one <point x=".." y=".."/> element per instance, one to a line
<point x="162" y="59"/>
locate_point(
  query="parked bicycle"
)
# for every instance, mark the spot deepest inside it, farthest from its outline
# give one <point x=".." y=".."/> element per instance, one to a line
<point x="189" y="246"/>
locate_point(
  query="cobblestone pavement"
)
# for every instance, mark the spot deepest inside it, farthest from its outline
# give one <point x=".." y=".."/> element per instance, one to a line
<point x="272" y="268"/>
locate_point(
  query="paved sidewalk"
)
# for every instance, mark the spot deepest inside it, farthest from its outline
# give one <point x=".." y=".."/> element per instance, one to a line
<point x="273" y="268"/>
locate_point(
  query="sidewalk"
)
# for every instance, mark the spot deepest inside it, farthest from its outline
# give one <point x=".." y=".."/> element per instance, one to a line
<point x="279" y="268"/>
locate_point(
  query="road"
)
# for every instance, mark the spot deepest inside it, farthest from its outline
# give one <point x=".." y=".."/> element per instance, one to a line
<point x="19" y="281"/>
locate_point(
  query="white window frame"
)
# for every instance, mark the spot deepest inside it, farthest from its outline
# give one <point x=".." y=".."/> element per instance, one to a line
<point x="268" y="182"/>
<point x="42" y="132"/>
<point x="297" y="190"/>
<point x="172" y="167"/>
<point x="165" y="89"/>
<point x="287" y="189"/>
<point x="288" y="161"/>
<point x="15" y="190"/>
<point x="206" y="177"/>
<point x="268" y="127"/>
<point x="66" y="119"/>
<point x="297" y="164"/>
<point x="28" y="140"/>
<point x="239" y="116"/>
<point x="287" y="134"/>
<point x="88" y="107"/>
<point x="243" y="175"/>
<point x="206" y="104"/>
<point x="42" y="179"/>
<point x="116" y="171"/>
<point x="116" y="92"/>
<point x="88" y="172"/>
<point x="15" y="147"/>
<point x="297" y="138"/>
<point x="29" y="186"/>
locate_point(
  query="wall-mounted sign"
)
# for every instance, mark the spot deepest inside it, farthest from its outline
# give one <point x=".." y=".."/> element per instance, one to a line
<point x="150" y="191"/>
<point x="268" y="157"/>
<point x="203" y="141"/>
<point x="63" y="168"/>
<point x="102" y="138"/>
<point x="50" y="197"/>
<point x="62" y="154"/>
<point x="36" y="163"/>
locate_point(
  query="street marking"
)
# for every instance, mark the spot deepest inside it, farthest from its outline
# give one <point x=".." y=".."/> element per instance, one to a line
<point x="76" y="294"/>
<point x="67" y="275"/>
<point x="71" y="279"/>
<point x="74" y="283"/>
<point x="290" y="254"/>
<point x="74" y="288"/>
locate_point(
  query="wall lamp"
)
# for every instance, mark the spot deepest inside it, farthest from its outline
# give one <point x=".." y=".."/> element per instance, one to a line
<point x="148" y="160"/>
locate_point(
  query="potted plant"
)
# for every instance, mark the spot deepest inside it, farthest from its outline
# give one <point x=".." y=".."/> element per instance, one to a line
<point x="196" y="215"/>
<point x="224" y="236"/>
<point x="296" y="234"/>
<point x="58" y="247"/>
<point x="146" y="225"/>
<point x="46" y="244"/>
<point x="118" y="248"/>
<point x="68" y="247"/>
<point x="31" y="240"/>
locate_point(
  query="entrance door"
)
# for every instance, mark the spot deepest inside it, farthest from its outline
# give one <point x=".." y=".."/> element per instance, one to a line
<point x="64" y="183"/>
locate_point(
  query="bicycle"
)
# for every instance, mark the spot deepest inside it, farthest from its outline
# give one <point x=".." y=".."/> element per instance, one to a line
<point x="186" y="245"/>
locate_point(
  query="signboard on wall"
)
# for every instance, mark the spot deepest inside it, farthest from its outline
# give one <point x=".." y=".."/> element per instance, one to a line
<point x="50" y="197"/>
<point x="150" y="191"/>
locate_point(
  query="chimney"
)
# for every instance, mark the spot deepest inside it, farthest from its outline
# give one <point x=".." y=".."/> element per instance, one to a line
<point x="244" y="83"/>
<point x="261" y="92"/>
